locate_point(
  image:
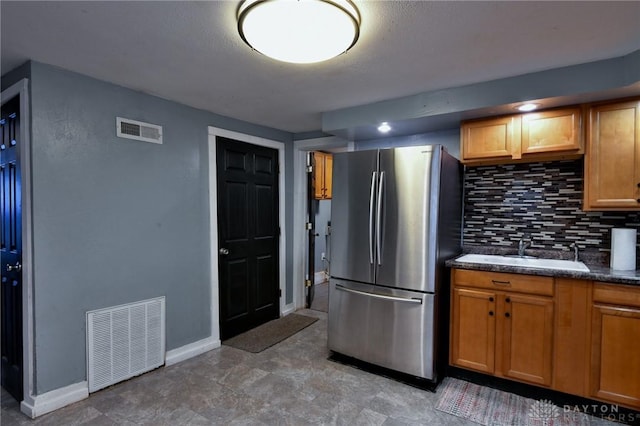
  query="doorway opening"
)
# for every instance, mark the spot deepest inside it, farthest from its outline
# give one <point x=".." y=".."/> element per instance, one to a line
<point x="312" y="219"/>
<point x="319" y="194"/>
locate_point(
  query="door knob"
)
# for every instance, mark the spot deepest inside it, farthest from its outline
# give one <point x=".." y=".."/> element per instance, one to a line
<point x="224" y="251"/>
<point x="17" y="267"/>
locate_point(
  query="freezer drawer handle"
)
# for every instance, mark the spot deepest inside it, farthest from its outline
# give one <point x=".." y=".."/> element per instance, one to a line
<point x="380" y="296"/>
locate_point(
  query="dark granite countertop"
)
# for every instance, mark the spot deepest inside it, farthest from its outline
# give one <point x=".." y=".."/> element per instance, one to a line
<point x="598" y="270"/>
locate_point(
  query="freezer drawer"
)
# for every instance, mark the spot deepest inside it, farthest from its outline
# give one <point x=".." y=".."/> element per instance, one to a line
<point x="387" y="327"/>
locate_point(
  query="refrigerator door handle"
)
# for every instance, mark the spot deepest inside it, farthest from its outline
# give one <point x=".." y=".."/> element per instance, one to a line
<point x="379" y="219"/>
<point x="380" y="296"/>
<point x="372" y="197"/>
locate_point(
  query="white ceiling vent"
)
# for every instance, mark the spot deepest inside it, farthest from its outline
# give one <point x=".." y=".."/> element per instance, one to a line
<point x="132" y="129"/>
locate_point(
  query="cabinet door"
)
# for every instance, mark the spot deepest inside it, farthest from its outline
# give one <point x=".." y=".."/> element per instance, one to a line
<point x="612" y="162"/>
<point x="318" y="175"/>
<point x="486" y="139"/>
<point x="473" y="329"/>
<point x="328" y="175"/>
<point x="322" y="175"/>
<point x="615" y="354"/>
<point x="551" y="131"/>
<point x="526" y="323"/>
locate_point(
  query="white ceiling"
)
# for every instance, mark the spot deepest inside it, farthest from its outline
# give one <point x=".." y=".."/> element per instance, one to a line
<point x="190" y="52"/>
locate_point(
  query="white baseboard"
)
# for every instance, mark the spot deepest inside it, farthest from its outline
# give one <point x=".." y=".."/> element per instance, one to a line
<point x="185" y="352"/>
<point x="288" y="309"/>
<point x="50" y="401"/>
<point x="55" y="399"/>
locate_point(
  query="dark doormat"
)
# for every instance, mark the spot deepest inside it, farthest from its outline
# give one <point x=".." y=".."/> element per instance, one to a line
<point x="407" y="379"/>
<point x="270" y="333"/>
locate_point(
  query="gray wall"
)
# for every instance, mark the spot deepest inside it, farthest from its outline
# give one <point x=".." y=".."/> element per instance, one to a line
<point x="449" y="138"/>
<point x="117" y="220"/>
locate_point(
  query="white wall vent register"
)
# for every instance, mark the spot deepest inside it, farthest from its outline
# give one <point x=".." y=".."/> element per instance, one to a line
<point x="132" y="129"/>
<point x="124" y="341"/>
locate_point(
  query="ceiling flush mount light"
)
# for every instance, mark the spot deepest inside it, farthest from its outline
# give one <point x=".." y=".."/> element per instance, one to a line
<point x="384" y="127"/>
<point x="527" y="107"/>
<point x="299" y="31"/>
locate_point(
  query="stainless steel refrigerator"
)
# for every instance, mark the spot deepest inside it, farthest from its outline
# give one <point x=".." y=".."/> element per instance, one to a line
<point x="396" y="216"/>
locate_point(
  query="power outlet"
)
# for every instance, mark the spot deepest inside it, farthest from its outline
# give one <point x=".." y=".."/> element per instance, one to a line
<point x="323" y="256"/>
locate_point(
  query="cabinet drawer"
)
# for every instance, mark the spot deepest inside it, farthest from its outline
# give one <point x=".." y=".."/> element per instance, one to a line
<point x="616" y="294"/>
<point x="531" y="284"/>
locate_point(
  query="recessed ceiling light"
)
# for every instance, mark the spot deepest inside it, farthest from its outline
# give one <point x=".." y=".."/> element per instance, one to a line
<point x="299" y="31"/>
<point x="384" y="127"/>
<point x="527" y="107"/>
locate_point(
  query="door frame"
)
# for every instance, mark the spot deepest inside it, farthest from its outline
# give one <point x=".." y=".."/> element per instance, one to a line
<point x="300" y="234"/>
<point x="213" y="220"/>
<point x="21" y="88"/>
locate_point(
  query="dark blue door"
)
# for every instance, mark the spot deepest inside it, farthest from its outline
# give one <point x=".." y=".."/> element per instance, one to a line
<point x="11" y="249"/>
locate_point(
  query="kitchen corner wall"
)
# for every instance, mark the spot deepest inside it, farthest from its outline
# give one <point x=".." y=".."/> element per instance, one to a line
<point x="504" y="202"/>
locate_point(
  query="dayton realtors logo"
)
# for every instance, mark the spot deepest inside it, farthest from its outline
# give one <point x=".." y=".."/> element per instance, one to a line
<point x="609" y="412"/>
<point x="543" y="413"/>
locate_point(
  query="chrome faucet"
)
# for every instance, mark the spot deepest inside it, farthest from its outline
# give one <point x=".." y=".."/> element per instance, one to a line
<point x="575" y="251"/>
<point x="522" y="245"/>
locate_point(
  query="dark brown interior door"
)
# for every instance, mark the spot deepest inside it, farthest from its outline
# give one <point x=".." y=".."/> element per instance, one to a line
<point x="248" y="235"/>
<point x="11" y="249"/>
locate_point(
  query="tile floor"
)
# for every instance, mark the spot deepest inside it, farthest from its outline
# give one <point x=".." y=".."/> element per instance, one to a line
<point x="291" y="383"/>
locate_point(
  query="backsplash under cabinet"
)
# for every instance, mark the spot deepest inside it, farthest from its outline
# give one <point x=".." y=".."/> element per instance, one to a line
<point x="543" y="201"/>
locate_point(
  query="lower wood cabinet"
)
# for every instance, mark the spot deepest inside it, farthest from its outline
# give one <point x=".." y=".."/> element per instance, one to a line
<point x="501" y="331"/>
<point x="615" y="344"/>
<point x="574" y="336"/>
<point x="527" y="337"/>
<point x="473" y="329"/>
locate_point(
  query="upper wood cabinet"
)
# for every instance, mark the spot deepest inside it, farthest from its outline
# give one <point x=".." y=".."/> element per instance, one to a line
<point x="612" y="160"/>
<point x="536" y="136"/>
<point x="322" y="175"/>
<point x="551" y="131"/>
<point x="488" y="139"/>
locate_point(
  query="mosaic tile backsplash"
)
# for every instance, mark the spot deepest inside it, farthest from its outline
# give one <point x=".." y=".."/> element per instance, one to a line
<point x="540" y="200"/>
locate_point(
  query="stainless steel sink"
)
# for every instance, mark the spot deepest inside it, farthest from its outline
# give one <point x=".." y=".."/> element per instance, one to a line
<point x="526" y="262"/>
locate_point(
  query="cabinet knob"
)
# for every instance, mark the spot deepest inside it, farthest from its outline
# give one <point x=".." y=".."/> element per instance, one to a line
<point x="507" y="314"/>
<point x="638" y="184"/>
<point x="638" y="200"/>
<point x="491" y="299"/>
<point x="490" y="313"/>
<point x="507" y="300"/>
